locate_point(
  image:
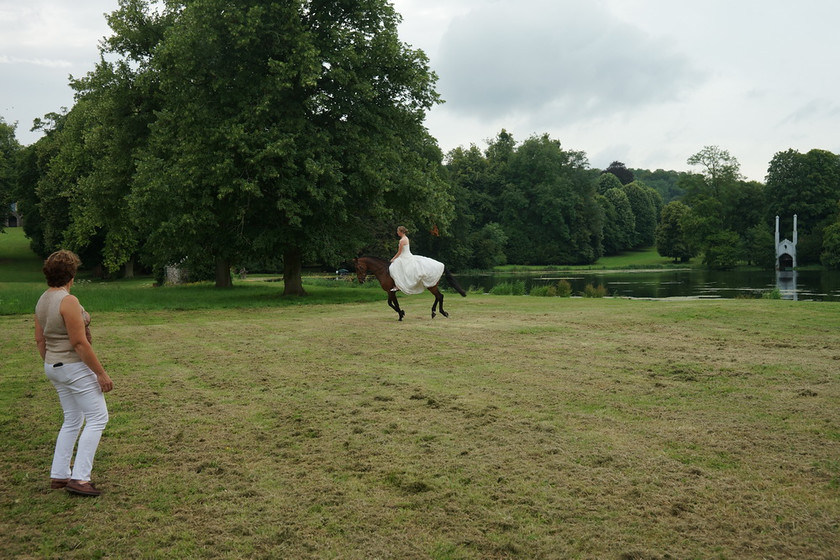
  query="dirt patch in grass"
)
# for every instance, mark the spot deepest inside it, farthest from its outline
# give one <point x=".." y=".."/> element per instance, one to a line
<point x="530" y="429"/>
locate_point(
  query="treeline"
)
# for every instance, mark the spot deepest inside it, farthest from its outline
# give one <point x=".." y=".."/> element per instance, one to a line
<point x="536" y="203"/>
<point x="533" y="203"/>
<point x="269" y="137"/>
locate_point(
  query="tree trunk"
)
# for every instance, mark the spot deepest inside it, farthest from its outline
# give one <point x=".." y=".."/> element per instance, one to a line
<point x="293" y="285"/>
<point x="129" y="268"/>
<point x="223" y="279"/>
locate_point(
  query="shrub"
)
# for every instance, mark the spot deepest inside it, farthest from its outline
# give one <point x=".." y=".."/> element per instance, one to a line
<point x="772" y="294"/>
<point x="598" y="291"/>
<point x="564" y="288"/>
<point x="516" y="288"/>
<point x="543" y="291"/>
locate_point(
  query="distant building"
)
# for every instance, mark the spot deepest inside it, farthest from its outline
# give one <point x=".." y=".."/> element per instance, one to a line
<point x="13" y="218"/>
<point x="786" y="249"/>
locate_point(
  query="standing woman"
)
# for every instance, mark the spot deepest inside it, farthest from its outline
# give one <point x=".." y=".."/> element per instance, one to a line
<point x="63" y="339"/>
<point x="413" y="273"/>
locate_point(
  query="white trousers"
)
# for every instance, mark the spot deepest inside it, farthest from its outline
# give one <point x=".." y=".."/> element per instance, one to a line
<point x="84" y="404"/>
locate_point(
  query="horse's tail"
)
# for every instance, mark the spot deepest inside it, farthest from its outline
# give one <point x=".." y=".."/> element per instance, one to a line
<point x="454" y="283"/>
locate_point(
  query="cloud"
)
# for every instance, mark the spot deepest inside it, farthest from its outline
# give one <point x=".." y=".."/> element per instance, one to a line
<point x="561" y="61"/>
<point x="47" y="25"/>
<point x="45" y="62"/>
<point x="814" y="110"/>
<point x="42" y="43"/>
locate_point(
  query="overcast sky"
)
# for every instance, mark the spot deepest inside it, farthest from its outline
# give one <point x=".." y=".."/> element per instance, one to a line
<point x="645" y="82"/>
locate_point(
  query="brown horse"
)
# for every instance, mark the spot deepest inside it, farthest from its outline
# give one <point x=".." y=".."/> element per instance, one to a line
<point x="379" y="268"/>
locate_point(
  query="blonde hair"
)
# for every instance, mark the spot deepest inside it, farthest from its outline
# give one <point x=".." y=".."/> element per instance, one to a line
<point x="402" y="229"/>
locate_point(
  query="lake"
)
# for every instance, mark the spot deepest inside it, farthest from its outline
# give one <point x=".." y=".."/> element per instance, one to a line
<point x="807" y="285"/>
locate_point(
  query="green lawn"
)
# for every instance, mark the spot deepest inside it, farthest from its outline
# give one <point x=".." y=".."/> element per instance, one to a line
<point x="17" y="262"/>
<point x="520" y="427"/>
<point x="22" y="282"/>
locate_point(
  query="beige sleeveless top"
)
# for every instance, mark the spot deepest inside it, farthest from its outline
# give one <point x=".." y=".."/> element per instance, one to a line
<point x="47" y="311"/>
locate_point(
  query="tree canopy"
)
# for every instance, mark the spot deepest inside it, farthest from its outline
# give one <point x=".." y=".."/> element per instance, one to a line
<point x="727" y="218"/>
<point x="9" y="148"/>
<point x="535" y="198"/>
<point x="218" y="132"/>
<point x="293" y="127"/>
<point x="671" y="240"/>
<point x="621" y="172"/>
<point x="807" y="185"/>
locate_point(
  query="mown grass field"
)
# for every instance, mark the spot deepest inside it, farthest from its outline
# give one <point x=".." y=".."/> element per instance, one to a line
<point x="521" y="427"/>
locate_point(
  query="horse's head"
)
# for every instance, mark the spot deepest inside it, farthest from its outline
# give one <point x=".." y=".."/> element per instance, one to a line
<point x="361" y="270"/>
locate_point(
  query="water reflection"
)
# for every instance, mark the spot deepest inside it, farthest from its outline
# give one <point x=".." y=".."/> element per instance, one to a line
<point x="799" y="285"/>
<point x="786" y="284"/>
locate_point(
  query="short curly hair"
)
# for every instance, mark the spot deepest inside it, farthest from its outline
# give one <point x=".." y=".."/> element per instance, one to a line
<point x="61" y="267"/>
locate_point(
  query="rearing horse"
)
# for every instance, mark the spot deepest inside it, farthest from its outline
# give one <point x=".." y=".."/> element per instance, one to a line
<point x="379" y="268"/>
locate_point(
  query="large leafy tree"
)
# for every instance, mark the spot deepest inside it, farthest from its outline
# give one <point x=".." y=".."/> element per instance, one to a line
<point x="621" y="171"/>
<point x="607" y="181"/>
<point x="489" y="246"/>
<point x="727" y="212"/>
<point x="9" y="148"/>
<point x="722" y="250"/>
<point x="720" y="171"/>
<point x="619" y="221"/>
<point x="671" y="239"/>
<point x="646" y="204"/>
<point x="41" y="199"/>
<point x="758" y="247"/>
<point x="75" y="181"/>
<point x="666" y="183"/>
<point x="807" y="185"/>
<point x="62" y="197"/>
<point x="26" y="195"/>
<point x="533" y="203"/>
<point x="550" y="214"/>
<point x="103" y="134"/>
<point x="830" y="256"/>
<point x="475" y="207"/>
<point x="293" y="127"/>
<point x="94" y="165"/>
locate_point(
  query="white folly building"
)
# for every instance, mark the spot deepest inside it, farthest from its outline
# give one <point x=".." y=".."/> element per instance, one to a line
<point x="786" y="249"/>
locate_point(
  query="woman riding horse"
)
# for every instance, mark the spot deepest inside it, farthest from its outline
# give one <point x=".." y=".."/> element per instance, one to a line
<point x="407" y="273"/>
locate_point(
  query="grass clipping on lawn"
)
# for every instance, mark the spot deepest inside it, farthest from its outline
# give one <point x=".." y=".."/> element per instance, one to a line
<point x="518" y="428"/>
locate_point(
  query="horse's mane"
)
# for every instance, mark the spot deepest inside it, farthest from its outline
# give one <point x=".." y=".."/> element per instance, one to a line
<point x="378" y="259"/>
<point x="376" y="264"/>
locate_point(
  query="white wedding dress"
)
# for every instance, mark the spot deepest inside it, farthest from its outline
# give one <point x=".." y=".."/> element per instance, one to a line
<point x="413" y="274"/>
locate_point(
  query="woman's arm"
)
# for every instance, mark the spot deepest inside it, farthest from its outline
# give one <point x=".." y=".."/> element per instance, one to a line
<point x="403" y="241"/>
<point x="40" y="339"/>
<point x="71" y="311"/>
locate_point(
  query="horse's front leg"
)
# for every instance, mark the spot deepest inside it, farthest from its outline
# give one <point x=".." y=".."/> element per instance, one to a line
<point x="395" y="305"/>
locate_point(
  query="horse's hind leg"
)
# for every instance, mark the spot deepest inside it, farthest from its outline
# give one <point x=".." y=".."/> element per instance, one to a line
<point x="438" y="302"/>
